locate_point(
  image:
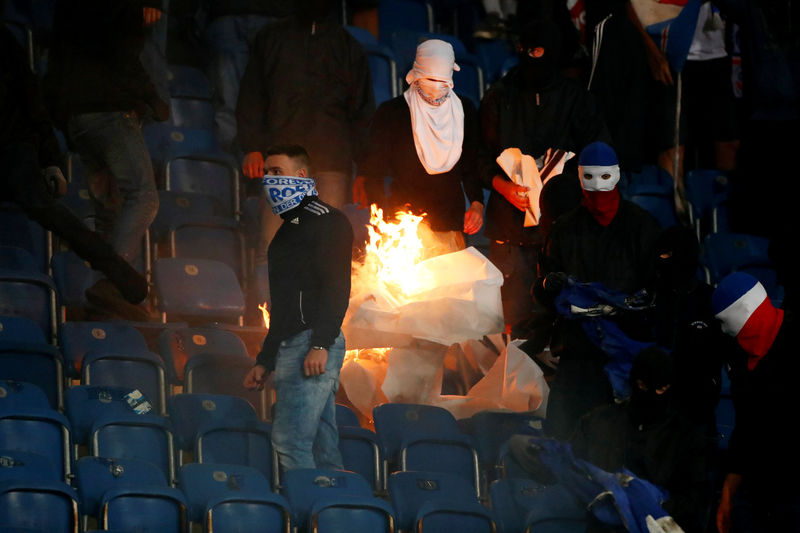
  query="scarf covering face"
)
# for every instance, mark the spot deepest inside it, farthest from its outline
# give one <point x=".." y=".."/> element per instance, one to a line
<point x="600" y="195"/>
<point x="741" y="303"/>
<point x="438" y="127"/>
<point x="286" y="192"/>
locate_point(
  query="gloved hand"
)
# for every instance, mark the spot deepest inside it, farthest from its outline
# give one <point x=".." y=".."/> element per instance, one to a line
<point x="54" y="181"/>
<point x="555" y="281"/>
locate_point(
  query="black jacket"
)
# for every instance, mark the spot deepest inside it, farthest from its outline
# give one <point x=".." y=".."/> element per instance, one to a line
<point x="391" y="152"/>
<point x="306" y="84"/>
<point x="560" y="114"/>
<point x="95" y="65"/>
<point x="309" y="276"/>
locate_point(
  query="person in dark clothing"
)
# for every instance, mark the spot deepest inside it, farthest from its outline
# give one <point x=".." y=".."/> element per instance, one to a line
<point x="99" y="93"/>
<point x="427" y="142"/>
<point x="646" y="436"/>
<point x="760" y="491"/>
<point x="307" y="82"/>
<point x="309" y="274"/>
<point x="607" y="240"/>
<point x="30" y="158"/>
<point x="685" y="326"/>
<point x="536" y="109"/>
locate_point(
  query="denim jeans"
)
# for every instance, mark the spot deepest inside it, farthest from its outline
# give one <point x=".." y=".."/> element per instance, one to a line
<point x="229" y="39"/>
<point x="121" y="180"/>
<point x="304" y="429"/>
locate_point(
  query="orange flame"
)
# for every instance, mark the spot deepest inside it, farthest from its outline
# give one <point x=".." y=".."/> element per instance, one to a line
<point x="264" y="314"/>
<point x="394" y="248"/>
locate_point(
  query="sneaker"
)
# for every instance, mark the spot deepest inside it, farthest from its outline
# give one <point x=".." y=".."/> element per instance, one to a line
<point x="106" y="296"/>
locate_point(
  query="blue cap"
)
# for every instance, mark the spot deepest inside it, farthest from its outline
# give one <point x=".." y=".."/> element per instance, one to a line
<point x="598" y="154"/>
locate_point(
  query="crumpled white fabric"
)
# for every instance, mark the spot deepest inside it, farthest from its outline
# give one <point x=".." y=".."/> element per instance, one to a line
<point x="665" y="524"/>
<point x="438" y="129"/>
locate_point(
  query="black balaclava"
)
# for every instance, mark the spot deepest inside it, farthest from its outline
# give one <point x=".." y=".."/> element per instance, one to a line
<point x="560" y="194"/>
<point x="538" y="71"/>
<point x="677" y="258"/>
<point x="654" y="368"/>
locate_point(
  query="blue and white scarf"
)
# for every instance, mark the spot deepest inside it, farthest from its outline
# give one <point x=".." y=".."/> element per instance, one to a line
<point x="286" y="192"/>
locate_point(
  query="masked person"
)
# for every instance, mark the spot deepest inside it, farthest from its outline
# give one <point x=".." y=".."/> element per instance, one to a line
<point x="426" y="140"/>
<point x="760" y="491"/>
<point x="534" y="108"/>
<point x="309" y="277"/>
<point x="648" y="437"/>
<point x="606" y="240"/>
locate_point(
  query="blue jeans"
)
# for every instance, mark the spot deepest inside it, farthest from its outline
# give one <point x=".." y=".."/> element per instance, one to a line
<point x="229" y="39"/>
<point x="120" y="175"/>
<point x="304" y="431"/>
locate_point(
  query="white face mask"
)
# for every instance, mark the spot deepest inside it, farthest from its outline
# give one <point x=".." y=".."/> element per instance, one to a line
<point x="434" y="91"/>
<point x="599" y="178"/>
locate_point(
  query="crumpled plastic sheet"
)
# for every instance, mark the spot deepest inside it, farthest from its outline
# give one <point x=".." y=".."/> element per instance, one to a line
<point x="509" y="380"/>
<point x="458" y="298"/>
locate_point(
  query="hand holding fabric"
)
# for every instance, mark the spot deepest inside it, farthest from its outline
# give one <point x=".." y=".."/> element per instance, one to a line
<point x="515" y="194"/>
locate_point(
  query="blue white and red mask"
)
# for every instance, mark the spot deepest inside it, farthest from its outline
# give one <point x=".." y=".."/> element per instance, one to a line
<point x="743" y="307"/>
<point x="599" y="174"/>
<point x="286" y="192"/>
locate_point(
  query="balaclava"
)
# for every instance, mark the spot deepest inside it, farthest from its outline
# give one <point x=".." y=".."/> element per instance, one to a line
<point x="284" y="193"/>
<point x="654" y="368"/>
<point x="741" y="303"/>
<point x="539" y="71"/>
<point x="560" y="194"/>
<point x="437" y="116"/>
<point x="598" y="168"/>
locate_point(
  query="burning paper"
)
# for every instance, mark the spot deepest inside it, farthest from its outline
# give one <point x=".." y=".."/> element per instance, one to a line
<point x="444" y="299"/>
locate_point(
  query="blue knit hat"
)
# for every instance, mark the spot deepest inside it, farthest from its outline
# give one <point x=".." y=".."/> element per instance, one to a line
<point x="598" y="154"/>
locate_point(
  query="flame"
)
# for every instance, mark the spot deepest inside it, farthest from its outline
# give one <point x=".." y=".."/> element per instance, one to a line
<point x="264" y="314"/>
<point x="394" y="248"/>
<point x="373" y="354"/>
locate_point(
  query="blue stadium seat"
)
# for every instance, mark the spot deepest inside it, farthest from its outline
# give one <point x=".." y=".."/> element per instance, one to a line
<point x="360" y="448"/>
<point x="206" y="173"/>
<point x="334" y="500"/>
<point x="653" y="190"/>
<point x="142" y="370"/>
<point x="16" y="229"/>
<point x="146" y="437"/>
<point x="409" y="15"/>
<point x="208" y="237"/>
<point x="222" y="373"/>
<point x="423" y="437"/>
<point x="72" y="276"/>
<point x="345" y="416"/>
<point x="94" y="476"/>
<point x="493" y="54"/>
<point x="37" y="363"/>
<point x="238" y="442"/>
<point x="77" y="338"/>
<point x="20" y="465"/>
<point x="433" y="501"/>
<point x="41" y="431"/>
<point x="177" y="345"/>
<point x="83" y="404"/>
<point x="707" y="192"/>
<point x="20" y="329"/>
<point x="189" y="82"/>
<point x="382" y="65"/>
<point x="20" y="394"/>
<point x="526" y="505"/>
<point x="723" y="253"/>
<point x="191" y="112"/>
<point x="39" y="506"/>
<point x="190" y="412"/>
<point x="174" y="204"/>
<point x="197" y="290"/>
<point x="31" y="295"/>
<point x="163" y="140"/>
<point x="16" y="258"/>
<point x="261" y="511"/>
<point x="149" y="508"/>
<point x="508" y="466"/>
<point x="201" y="483"/>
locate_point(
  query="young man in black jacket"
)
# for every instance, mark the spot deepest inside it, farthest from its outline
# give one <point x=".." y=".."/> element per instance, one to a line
<point x="309" y="277"/>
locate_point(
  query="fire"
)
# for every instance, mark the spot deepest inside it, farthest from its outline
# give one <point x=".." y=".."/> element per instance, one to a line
<point x="264" y="314"/>
<point x="394" y="249"/>
<point x="374" y="354"/>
